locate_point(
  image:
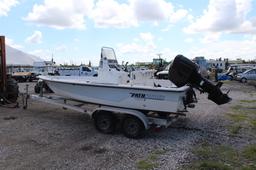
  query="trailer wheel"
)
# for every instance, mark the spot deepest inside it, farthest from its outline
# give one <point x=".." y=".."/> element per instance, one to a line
<point x="132" y="127"/>
<point x="37" y="88"/>
<point x="47" y="88"/>
<point x="12" y="90"/>
<point x="104" y="122"/>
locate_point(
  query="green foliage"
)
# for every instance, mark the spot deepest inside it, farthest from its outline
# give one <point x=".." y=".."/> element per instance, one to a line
<point x="237" y="117"/>
<point x="149" y="162"/>
<point x="253" y="123"/>
<point x="250" y="152"/>
<point x="248" y="101"/>
<point x="235" y="129"/>
<point x="145" y="165"/>
<point x="212" y="157"/>
<point x="211" y="165"/>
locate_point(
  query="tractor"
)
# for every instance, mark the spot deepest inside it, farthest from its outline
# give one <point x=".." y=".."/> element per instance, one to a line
<point x="8" y="87"/>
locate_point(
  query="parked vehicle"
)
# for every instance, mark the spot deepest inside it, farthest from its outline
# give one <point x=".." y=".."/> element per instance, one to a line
<point x="9" y="89"/>
<point x="234" y="70"/>
<point x="163" y="74"/>
<point x="76" y="71"/>
<point x="224" y="76"/>
<point x="247" y="75"/>
<point x="24" y="76"/>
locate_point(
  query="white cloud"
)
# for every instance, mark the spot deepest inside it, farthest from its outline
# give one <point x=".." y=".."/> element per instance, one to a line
<point x="11" y="43"/>
<point x="147" y="36"/>
<point x="142" y="46"/>
<point x="232" y="49"/>
<point x="61" y="14"/>
<point x="254" y="38"/>
<point x="211" y="37"/>
<point x="189" y="40"/>
<point x="35" y="38"/>
<point x="42" y="53"/>
<point x="152" y="10"/>
<point x="167" y="28"/>
<point x="224" y="16"/>
<point x="60" y="48"/>
<point x="6" y="5"/>
<point x="110" y="13"/>
<point x="135" y="48"/>
<point x="178" y="15"/>
<point x="76" y="40"/>
<point x="157" y="10"/>
<point x="168" y="54"/>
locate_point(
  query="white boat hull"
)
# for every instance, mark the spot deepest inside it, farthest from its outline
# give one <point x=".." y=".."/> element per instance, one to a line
<point x="124" y="96"/>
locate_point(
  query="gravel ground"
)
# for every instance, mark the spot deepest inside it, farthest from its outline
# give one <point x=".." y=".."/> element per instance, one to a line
<point x="48" y="137"/>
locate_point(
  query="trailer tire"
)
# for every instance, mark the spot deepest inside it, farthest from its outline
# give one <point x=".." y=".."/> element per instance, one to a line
<point x="47" y="88"/>
<point x="12" y="90"/>
<point x="133" y="127"/>
<point x="104" y="122"/>
<point x="37" y="88"/>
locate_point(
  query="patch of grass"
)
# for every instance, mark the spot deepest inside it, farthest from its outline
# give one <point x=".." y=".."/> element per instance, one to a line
<point x="149" y="162"/>
<point x="253" y="123"/>
<point x="237" y="117"/>
<point x="248" y="101"/>
<point x="145" y="165"/>
<point x="204" y="152"/>
<point x="250" y="153"/>
<point x="249" y="167"/>
<point x="211" y="165"/>
<point x="244" y="109"/>
<point x="212" y="157"/>
<point x="236" y="107"/>
<point x="223" y="153"/>
<point x="235" y="129"/>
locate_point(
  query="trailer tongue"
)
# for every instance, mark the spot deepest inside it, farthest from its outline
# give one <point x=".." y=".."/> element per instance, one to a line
<point x="183" y="71"/>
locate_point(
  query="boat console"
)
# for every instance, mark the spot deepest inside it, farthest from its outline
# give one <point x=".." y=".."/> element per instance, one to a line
<point x="183" y="71"/>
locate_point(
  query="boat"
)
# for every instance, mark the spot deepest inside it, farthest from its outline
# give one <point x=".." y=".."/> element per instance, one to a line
<point x="117" y="88"/>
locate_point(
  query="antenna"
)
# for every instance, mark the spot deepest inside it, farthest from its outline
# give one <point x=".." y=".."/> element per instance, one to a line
<point x="159" y="55"/>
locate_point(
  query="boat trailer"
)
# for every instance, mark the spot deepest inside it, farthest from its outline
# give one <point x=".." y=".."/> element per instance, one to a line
<point x="133" y="122"/>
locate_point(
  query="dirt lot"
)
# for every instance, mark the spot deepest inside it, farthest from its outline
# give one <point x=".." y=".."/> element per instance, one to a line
<point x="210" y="136"/>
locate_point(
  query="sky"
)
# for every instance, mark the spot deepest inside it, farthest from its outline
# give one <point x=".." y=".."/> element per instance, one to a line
<point x="73" y="31"/>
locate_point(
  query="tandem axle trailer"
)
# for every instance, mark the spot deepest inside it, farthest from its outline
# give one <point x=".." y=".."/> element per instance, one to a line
<point x="133" y="122"/>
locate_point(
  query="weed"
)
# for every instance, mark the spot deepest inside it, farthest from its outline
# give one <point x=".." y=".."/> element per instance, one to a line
<point x="235" y="129"/>
<point x="250" y="152"/>
<point x="149" y="163"/>
<point x="236" y="107"/>
<point x="249" y="167"/>
<point x="237" y="117"/>
<point x="204" y="152"/>
<point x="248" y="101"/>
<point x="208" y="165"/>
<point x="224" y="153"/>
<point x="253" y="123"/>
<point x="145" y="165"/>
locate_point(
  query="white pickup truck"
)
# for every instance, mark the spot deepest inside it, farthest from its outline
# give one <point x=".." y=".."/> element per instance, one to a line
<point x="77" y="71"/>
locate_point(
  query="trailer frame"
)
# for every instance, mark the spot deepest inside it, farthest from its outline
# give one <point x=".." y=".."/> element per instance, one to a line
<point x="134" y="118"/>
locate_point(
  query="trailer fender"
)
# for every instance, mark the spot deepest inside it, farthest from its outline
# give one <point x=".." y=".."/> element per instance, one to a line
<point x="132" y="112"/>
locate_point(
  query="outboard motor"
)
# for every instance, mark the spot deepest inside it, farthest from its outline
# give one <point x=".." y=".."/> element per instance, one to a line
<point x="183" y="71"/>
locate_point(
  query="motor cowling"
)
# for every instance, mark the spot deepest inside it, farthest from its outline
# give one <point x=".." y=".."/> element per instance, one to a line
<point x="183" y="71"/>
